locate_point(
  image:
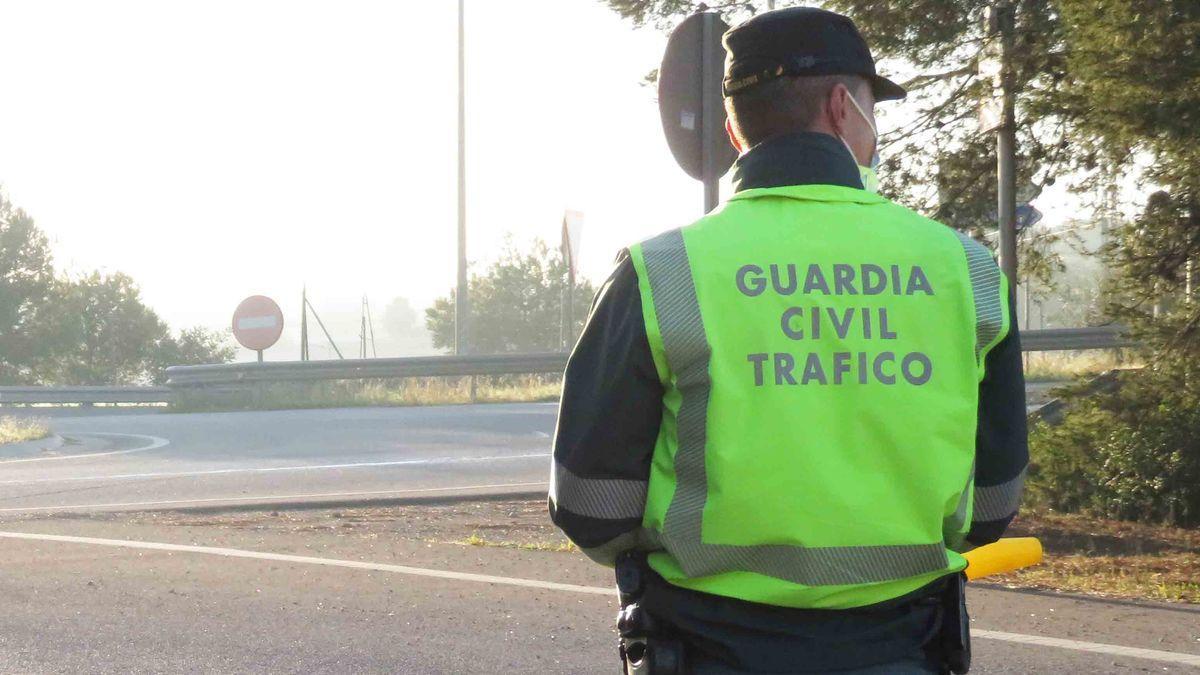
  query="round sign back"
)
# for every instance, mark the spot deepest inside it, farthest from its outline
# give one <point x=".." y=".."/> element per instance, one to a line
<point x="257" y="322"/>
<point x="684" y="83"/>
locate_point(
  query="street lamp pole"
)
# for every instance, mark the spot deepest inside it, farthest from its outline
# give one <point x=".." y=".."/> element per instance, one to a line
<point x="462" y="306"/>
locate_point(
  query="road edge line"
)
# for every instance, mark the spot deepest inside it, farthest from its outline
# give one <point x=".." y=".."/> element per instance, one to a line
<point x="1019" y="638"/>
<point x="1092" y="647"/>
<point x="310" y="560"/>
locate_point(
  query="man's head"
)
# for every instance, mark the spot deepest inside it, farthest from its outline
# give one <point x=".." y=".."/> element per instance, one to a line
<point x="822" y="103"/>
<point x="802" y="69"/>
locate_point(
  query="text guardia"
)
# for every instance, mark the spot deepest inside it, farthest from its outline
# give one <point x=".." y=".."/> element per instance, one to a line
<point x="812" y="322"/>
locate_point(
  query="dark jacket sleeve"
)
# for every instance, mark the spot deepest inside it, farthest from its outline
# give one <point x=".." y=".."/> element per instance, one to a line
<point x="607" y="424"/>
<point x="1001" y="439"/>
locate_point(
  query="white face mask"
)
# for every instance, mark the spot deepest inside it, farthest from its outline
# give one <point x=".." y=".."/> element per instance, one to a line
<point x="868" y="174"/>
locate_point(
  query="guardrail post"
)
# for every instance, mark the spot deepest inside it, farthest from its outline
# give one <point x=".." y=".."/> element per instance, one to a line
<point x="474" y="390"/>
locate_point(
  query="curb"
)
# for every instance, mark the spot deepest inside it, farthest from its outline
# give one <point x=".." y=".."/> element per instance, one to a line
<point x="294" y="505"/>
<point x="427" y="500"/>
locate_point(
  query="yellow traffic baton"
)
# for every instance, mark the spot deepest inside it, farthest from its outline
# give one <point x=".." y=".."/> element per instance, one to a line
<point x="1003" y="556"/>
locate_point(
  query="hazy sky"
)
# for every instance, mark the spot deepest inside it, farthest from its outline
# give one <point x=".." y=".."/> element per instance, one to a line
<point x="221" y="149"/>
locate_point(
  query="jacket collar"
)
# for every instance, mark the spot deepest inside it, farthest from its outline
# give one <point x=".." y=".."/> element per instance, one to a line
<point x="801" y="158"/>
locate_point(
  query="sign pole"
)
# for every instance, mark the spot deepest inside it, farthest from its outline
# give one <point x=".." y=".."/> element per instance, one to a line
<point x="570" y="305"/>
<point x="711" y="99"/>
<point x="690" y="101"/>
<point x="260" y="355"/>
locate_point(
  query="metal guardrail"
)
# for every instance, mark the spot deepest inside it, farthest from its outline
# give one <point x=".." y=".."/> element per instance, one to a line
<point x="235" y="375"/>
<point x="83" y="395"/>
<point x="1066" y="339"/>
<point x="180" y="377"/>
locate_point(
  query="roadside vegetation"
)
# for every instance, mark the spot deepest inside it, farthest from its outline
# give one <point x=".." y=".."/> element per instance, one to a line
<point x="518" y="304"/>
<point x="1069" y="366"/>
<point x="87" y="329"/>
<point x="22" y="429"/>
<point x="1112" y="558"/>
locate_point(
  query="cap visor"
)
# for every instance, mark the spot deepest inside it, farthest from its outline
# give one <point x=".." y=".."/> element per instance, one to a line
<point x="886" y="90"/>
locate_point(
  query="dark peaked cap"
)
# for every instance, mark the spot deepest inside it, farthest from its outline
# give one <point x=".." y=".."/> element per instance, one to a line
<point x="799" y="41"/>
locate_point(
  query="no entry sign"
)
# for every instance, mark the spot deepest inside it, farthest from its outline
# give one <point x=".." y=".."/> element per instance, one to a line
<point x="257" y="323"/>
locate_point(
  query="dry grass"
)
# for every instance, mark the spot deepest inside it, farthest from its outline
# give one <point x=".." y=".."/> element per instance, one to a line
<point x="407" y="392"/>
<point x="21" y="429"/>
<point x="1054" y="366"/>
<point x="553" y="546"/>
<point x="1111" y="558"/>
<point x="1165" y="577"/>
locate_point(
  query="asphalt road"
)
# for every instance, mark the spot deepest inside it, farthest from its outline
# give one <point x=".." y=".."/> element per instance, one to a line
<point x="156" y="460"/>
<point x="133" y="458"/>
<point x="225" y="594"/>
<point x="97" y="578"/>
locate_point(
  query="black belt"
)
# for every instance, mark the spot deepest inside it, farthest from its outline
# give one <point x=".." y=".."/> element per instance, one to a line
<point x="650" y="646"/>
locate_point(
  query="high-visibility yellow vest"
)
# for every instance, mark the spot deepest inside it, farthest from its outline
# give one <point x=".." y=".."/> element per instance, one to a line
<point x="821" y="350"/>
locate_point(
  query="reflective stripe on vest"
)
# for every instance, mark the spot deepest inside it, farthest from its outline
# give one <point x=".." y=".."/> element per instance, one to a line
<point x="988" y="286"/>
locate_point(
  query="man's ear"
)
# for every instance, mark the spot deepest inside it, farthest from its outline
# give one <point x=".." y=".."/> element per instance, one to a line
<point x="733" y="139"/>
<point x="837" y="107"/>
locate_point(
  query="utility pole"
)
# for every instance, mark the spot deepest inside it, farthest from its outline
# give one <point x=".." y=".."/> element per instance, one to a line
<point x="371" y="327"/>
<point x="304" y="323"/>
<point x="462" y="303"/>
<point x="362" y="330"/>
<point x="1003" y="23"/>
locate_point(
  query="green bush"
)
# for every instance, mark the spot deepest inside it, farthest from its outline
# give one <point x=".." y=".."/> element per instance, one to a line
<point x="1131" y="453"/>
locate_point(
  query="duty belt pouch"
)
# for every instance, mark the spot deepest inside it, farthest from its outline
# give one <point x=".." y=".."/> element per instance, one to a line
<point x="955" y="637"/>
<point x="645" y="647"/>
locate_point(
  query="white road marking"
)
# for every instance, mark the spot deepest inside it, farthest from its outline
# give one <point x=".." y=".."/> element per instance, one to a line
<point x="308" y="560"/>
<point x="152" y="443"/>
<point x="265" y="498"/>
<point x="1093" y="647"/>
<point x="276" y="469"/>
<point x="1035" y="640"/>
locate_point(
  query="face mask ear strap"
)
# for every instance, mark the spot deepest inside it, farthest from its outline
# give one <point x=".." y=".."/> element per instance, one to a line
<point x="874" y="131"/>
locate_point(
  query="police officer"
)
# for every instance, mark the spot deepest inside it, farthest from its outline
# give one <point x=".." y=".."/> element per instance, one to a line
<point x="798" y="409"/>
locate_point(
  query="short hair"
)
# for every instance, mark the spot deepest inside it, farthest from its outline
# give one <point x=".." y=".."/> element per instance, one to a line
<point x="783" y="105"/>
